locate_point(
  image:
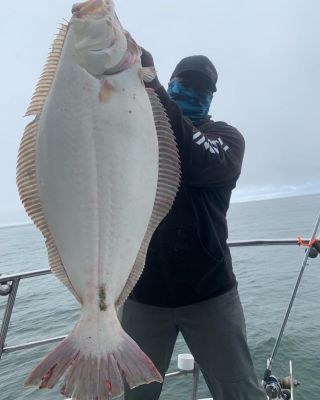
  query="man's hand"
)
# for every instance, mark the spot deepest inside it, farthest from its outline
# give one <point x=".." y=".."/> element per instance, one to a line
<point x="147" y="61"/>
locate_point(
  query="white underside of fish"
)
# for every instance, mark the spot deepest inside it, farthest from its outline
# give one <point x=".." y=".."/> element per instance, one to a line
<point x="97" y="171"/>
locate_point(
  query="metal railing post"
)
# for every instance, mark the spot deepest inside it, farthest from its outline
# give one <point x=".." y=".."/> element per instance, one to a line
<point x="195" y="384"/>
<point x="8" y="313"/>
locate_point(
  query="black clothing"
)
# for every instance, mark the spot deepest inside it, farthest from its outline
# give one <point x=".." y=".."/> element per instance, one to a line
<point x="188" y="259"/>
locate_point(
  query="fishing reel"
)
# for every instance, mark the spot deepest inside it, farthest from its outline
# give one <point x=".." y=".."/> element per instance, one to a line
<point x="274" y="389"/>
<point x="280" y="389"/>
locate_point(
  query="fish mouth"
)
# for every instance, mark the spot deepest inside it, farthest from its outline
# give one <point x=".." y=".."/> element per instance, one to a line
<point x="92" y="8"/>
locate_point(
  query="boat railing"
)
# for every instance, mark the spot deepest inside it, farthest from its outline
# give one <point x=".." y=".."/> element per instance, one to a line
<point x="9" y="285"/>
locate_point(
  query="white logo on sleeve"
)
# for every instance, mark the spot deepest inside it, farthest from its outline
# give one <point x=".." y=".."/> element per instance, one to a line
<point x="209" y="144"/>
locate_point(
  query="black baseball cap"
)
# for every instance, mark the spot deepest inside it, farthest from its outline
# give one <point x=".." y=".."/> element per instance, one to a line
<point x="200" y="64"/>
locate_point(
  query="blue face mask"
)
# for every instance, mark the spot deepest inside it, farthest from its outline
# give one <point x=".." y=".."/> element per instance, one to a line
<point x="193" y="104"/>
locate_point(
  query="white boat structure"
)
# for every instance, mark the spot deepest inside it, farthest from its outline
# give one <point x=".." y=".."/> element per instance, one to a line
<point x="277" y="388"/>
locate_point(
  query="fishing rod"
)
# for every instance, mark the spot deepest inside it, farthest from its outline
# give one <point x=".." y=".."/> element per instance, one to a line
<point x="275" y="388"/>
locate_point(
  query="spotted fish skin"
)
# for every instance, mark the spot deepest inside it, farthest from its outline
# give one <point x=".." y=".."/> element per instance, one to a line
<point x="98" y="170"/>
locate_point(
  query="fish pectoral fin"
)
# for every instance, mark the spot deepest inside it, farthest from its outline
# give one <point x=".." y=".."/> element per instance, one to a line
<point x="147" y="74"/>
<point x="106" y="90"/>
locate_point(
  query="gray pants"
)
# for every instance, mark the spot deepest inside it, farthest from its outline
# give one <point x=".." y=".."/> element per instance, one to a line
<point x="215" y="333"/>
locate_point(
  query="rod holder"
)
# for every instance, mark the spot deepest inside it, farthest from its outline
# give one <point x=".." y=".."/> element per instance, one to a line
<point x="185" y="362"/>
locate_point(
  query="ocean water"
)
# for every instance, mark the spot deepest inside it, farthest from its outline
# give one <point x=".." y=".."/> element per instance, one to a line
<point x="266" y="276"/>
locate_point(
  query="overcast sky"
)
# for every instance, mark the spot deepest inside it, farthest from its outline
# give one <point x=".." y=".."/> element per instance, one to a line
<point x="267" y="55"/>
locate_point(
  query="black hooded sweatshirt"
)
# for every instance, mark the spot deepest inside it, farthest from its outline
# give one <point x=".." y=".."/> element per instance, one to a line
<point x="188" y="259"/>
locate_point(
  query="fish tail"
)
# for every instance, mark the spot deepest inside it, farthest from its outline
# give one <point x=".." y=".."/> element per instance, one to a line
<point x="94" y="376"/>
<point x="50" y="370"/>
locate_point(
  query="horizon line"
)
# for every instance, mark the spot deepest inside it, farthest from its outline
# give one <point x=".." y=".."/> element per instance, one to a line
<point x="241" y="199"/>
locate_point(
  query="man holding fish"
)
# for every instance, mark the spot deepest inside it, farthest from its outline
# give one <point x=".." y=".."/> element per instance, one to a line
<point x="98" y="171"/>
<point x="188" y="284"/>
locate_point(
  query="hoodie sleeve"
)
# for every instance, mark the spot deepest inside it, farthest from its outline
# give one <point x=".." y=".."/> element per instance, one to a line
<point x="211" y="156"/>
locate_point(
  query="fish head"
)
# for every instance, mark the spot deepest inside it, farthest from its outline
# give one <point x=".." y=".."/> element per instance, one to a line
<point x="101" y="44"/>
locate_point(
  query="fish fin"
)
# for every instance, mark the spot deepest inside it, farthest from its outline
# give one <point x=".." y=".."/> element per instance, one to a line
<point x="26" y="164"/>
<point x="147" y="74"/>
<point x="168" y="185"/>
<point x="42" y="89"/>
<point x="89" y="374"/>
<point x="106" y="90"/>
<point x="28" y="191"/>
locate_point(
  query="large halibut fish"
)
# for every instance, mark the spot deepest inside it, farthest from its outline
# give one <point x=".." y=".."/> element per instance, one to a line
<point x="98" y="170"/>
